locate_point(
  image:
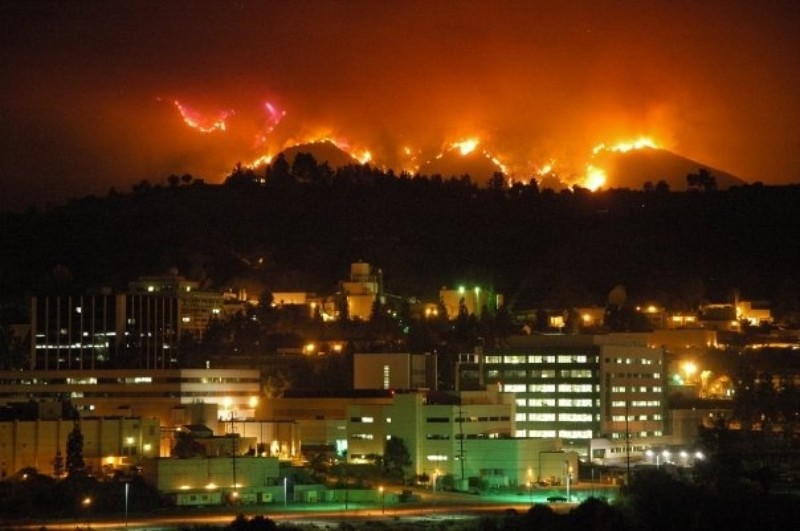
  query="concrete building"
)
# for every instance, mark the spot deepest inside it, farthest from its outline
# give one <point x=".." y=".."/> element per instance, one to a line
<point x="215" y="480"/>
<point x="109" y="443"/>
<point x="321" y="421"/>
<point x="465" y="435"/>
<point x="141" y="327"/>
<point x="394" y="370"/>
<point x="576" y="387"/>
<point x="173" y="396"/>
<point x="362" y="290"/>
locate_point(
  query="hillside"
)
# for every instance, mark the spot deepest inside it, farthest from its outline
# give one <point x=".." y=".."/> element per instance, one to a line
<point x="536" y="247"/>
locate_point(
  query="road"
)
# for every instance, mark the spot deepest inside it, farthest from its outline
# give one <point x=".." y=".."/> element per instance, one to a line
<point x="443" y="505"/>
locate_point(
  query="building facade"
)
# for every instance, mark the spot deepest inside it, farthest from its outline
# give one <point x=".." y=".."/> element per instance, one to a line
<point x="109" y="443"/>
<point x="140" y="328"/>
<point x="576" y="387"/>
<point x="167" y="394"/>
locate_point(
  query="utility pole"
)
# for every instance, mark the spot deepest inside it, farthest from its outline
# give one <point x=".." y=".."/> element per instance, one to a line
<point x="627" y="444"/>
<point x="233" y="457"/>
<point x="461" y="455"/>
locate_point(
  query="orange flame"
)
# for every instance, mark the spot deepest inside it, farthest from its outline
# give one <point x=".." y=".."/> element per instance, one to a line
<point x="465" y="147"/>
<point x="625" y="146"/>
<point x="196" y="121"/>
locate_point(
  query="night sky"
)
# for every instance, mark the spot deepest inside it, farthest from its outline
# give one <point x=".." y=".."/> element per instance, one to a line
<point x="88" y="89"/>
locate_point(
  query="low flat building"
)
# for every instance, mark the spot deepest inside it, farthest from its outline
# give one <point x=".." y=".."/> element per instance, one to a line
<point x="139" y="392"/>
<point x="214" y="480"/>
<point x="110" y="444"/>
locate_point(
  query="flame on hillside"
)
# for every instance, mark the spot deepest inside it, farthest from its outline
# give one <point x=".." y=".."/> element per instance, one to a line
<point x="592" y="176"/>
<point x="197" y="121"/>
<point x="625" y="146"/>
<point x="465" y="147"/>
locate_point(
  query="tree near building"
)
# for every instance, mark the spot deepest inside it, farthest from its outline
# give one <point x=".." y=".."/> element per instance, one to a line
<point x="186" y="446"/>
<point x="58" y="465"/>
<point x="396" y="458"/>
<point x="75" y="463"/>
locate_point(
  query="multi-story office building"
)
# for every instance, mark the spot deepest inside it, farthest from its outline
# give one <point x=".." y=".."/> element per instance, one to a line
<point x="166" y="394"/>
<point x="576" y="388"/>
<point x="469" y="434"/>
<point x="140" y="328"/>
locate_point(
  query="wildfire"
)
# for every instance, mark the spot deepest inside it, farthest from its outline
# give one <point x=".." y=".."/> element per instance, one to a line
<point x="196" y="121"/>
<point x="465" y="147"/>
<point x="625" y="146"/>
<point x="260" y="161"/>
<point x="595" y="178"/>
<point x="274" y="116"/>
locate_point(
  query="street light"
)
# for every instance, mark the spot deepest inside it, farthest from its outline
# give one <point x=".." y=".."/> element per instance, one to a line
<point x="569" y="478"/>
<point x="127" y="491"/>
<point x="87" y="503"/>
<point x="383" y="503"/>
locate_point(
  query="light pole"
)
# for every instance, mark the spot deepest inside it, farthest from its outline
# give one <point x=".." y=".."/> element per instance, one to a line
<point x="569" y="477"/>
<point x="87" y="503"/>
<point x="127" y="491"/>
<point x="383" y="502"/>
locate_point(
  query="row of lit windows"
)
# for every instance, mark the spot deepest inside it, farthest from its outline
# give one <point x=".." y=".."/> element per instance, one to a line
<point x="637" y="403"/>
<point x="365" y="420"/>
<point x="562" y="417"/>
<point x="630" y="361"/>
<point x="634" y="389"/>
<point x="561" y="402"/>
<point x="519" y="359"/>
<point x="541" y="374"/>
<point x="635" y="375"/>
<point x="551" y="434"/>
<point x="639" y="434"/>
<point x="621" y="418"/>
<point x="551" y="388"/>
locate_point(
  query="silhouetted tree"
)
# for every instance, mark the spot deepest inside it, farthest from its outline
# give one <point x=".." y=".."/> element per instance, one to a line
<point x="279" y="174"/>
<point x="396" y="458"/>
<point x="75" y="463"/>
<point x="702" y="179"/>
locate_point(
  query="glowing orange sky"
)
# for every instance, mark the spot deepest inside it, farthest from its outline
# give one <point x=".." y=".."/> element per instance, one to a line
<point x="88" y="88"/>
